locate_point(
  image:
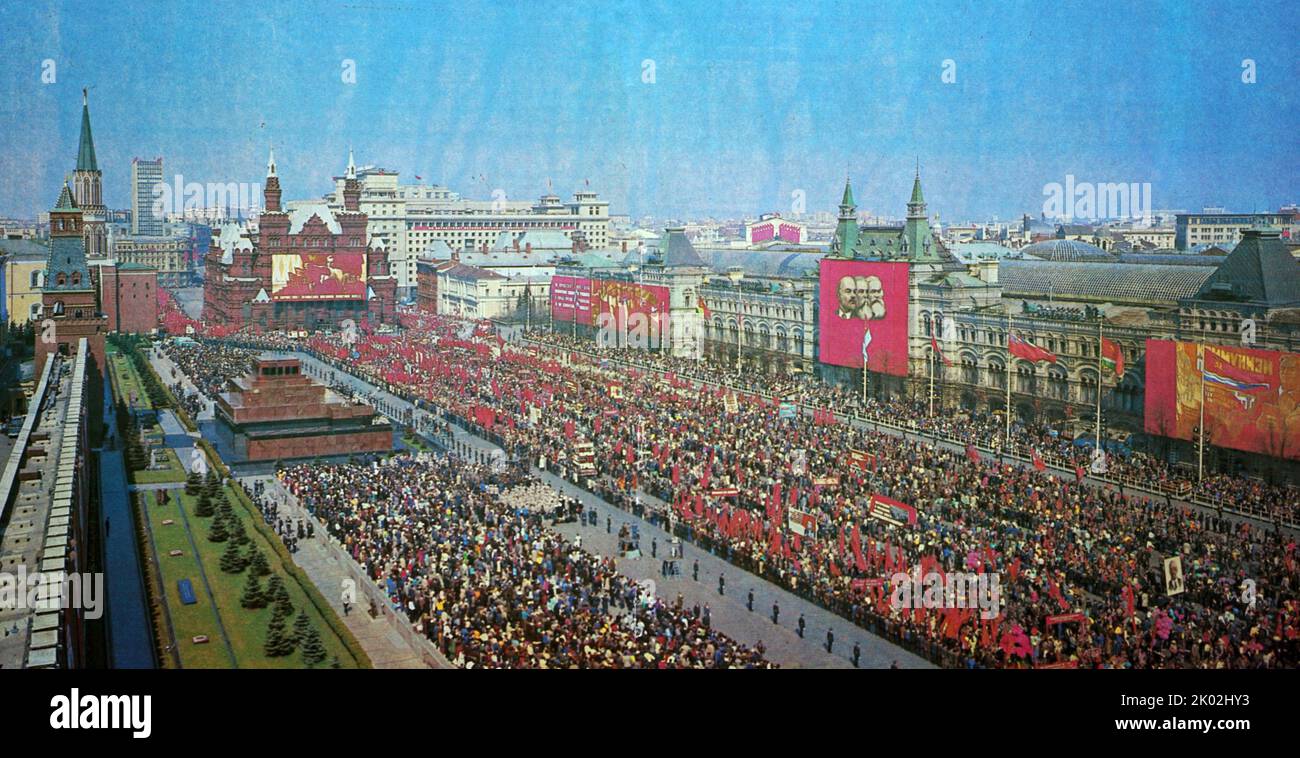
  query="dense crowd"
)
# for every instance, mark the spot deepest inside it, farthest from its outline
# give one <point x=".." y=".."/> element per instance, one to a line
<point x="1053" y="443"/>
<point x="1080" y="565"/>
<point x="464" y="550"/>
<point x="210" y="366"/>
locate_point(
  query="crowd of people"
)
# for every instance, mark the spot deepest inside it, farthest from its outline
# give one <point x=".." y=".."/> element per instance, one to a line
<point x="290" y="530"/>
<point x="1080" y="565"/>
<point x="464" y="550"/>
<point x="1054" y="443"/>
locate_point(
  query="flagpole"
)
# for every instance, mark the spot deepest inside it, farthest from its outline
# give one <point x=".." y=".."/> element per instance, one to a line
<point x="932" y="359"/>
<point x="864" y="386"/>
<point x="1007" y="376"/>
<point x="1200" y="447"/>
<point x="740" y="327"/>
<point x="1100" y="350"/>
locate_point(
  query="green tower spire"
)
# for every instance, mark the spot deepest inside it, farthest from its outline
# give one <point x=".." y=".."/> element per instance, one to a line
<point x="846" y="232"/>
<point x="86" y="150"/>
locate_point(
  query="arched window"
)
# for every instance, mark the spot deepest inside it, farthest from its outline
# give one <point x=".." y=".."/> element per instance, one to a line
<point x="61" y="279"/>
<point x="58" y="308"/>
<point x="1057" y="383"/>
<point x="76" y="278"/>
<point x="997" y="375"/>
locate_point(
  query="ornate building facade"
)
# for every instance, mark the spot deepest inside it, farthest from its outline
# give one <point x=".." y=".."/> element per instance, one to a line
<point x="240" y="281"/>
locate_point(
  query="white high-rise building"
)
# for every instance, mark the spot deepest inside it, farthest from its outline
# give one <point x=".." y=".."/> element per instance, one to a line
<point x="145" y="175"/>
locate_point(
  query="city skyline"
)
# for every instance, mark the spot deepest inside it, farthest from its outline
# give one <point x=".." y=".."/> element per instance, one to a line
<point x="686" y="124"/>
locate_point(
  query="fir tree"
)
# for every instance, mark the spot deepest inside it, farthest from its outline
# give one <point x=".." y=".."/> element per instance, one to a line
<point x="204" y="507"/>
<point x="313" y="650"/>
<point x="252" y="597"/>
<point x="257" y="563"/>
<point x="231" y="561"/>
<point x="238" y="534"/>
<point x="217" y="532"/>
<point x="193" y="482"/>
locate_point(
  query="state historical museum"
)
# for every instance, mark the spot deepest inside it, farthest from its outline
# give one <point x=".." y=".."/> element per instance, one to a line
<point x="306" y="269"/>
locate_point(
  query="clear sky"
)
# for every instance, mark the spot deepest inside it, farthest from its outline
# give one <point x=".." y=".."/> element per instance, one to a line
<point x="750" y="102"/>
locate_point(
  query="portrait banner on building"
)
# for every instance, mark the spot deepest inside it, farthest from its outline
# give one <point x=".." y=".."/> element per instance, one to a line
<point x="318" y="276"/>
<point x="861" y="298"/>
<point x="1252" y="397"/>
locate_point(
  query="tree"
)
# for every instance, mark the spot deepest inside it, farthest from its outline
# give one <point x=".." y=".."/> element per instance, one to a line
<point x="278" y="595"/>
<point x="278" y="642"/>
<point x="193" y="482"/>
<point x="217" y="532"/>
<point x="231" y="560"/>
<point x="252" y="597"/>
<point x="204" y="507"/>
<point x="212" y="485"/>
<point x="238" y="534"/>
<point x="274" y="586"/>
<point x="313" y="650"/>
<point x="257" y="563"/>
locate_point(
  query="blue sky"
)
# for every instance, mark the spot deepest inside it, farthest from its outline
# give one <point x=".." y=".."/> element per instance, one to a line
<point x="750" y="101"/>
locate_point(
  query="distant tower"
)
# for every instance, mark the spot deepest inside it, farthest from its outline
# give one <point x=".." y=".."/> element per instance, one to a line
<point x="271" y="193"/>
<point x="68" y="297"/>
<point x="87" y="188"/>
<point x="916" y="232"/>
<point x="846" y="232"/>
<point x="351" y="187"/>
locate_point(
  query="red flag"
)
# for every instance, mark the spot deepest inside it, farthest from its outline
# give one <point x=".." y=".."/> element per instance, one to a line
<point x="1028" y="350"/>
<point x="1038" y="461"/>
<point x="972" y="453"/>
<point x="1112" y="357"/>
<point x="856" y="542"/>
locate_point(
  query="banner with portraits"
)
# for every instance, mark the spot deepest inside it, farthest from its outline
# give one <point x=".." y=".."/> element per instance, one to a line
<point x="864" y="315"/>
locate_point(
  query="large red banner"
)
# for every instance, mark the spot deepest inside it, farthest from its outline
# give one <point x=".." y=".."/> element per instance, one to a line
<point x="318" y="276"/>
<point x="1251" y="396"/>
<point x="629" y="306"/>
<point x="611" y="303"/>
<point x="570" y="295"/>
<point x="860" y="298"/>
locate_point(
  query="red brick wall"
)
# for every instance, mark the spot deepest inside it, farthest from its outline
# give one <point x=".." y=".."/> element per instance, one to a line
<point x="325" y="445"/>
<point x="129" y="299"/>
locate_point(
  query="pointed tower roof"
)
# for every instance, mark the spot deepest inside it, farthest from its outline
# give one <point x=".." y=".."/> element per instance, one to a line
<point x="270" y="162"/>
<point x="677" y="249"/>
<point x="65" y="201"/>
<point x="86" y="150"/>
<point x="352" y="166"/>
<point x="847" y="200"/>
<point x="1258" y="270"/>
<point x="917" y="198"/>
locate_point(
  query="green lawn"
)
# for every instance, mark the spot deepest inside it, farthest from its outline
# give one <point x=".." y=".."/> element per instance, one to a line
<point x="175" y="471"/>
<point x="247" y="628"/>
<point x="126" y="381"/>
<point x="187" y="620"/>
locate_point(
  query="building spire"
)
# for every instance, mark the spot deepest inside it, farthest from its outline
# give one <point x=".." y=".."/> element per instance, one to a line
<point x="917" y="199"/>
<point x="352" y="166"/>
<point x="270" y="162"/>
<point x="86" y="149"/>
<point x="847" y="200"/>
